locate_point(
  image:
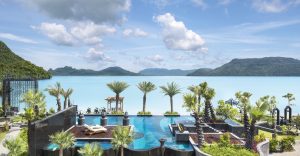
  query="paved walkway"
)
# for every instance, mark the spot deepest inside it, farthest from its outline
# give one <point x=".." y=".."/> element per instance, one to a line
<point x="294" y="153"/>
<point x="13" y="133"/>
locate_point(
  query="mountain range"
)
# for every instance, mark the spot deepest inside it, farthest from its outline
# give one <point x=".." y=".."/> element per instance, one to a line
<point x="267" y="66"/>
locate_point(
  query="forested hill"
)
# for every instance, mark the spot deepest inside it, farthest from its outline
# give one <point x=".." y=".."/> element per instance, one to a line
<point x="15" y="66"/>
<point x="267" y="66"/>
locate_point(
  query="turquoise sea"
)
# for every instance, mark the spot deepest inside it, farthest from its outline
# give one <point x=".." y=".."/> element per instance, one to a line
<point x="90" y="91"/>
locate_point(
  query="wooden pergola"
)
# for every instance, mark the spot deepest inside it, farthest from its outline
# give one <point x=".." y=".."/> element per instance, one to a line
<point x="111" y="100"/>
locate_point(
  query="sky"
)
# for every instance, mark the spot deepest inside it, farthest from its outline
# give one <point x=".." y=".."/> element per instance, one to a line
<point x="139" y="34"/>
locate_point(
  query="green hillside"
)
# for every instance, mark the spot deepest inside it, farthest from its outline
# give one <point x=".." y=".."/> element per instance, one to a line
<point x="15" y="66"/>
<point x="267" y="66"/>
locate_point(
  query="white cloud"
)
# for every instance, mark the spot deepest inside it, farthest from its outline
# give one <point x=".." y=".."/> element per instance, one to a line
<point x="137" y="32"/>
<point x="87" y="33"/>
<point x="99" y="11"/>
<point x="200" y="3"/>
<point x="90" y="33"/>
<point x="177" y="37"/>
<point x="16" y="38"/>
<point x="156" y="58"/>
<point x="57" y="33"/>
<point x="96" y="55"/>
<point x="274" y="6"/>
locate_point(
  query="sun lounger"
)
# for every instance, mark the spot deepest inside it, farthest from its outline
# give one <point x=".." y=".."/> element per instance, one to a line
<point x="95" y="129"/>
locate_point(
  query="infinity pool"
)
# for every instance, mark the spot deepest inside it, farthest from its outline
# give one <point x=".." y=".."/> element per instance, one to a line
<point x="148" y="131"/>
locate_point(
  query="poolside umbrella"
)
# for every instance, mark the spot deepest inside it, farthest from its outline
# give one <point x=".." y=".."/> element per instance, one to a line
<point x="232" y="102"/>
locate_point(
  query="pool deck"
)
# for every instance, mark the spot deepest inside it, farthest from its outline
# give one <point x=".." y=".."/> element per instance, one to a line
<point x="80" y="133"/>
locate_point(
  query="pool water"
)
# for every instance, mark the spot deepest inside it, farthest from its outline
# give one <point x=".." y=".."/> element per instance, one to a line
<point x="148" y="131"/>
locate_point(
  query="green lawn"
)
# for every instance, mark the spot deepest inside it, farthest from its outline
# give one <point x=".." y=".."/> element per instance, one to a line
<point x="269" y="135"/>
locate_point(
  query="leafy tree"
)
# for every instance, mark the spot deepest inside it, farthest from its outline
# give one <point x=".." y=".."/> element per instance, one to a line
<point x="16" y="147"/>
<point x="146" y="87"/>
<point x="257" y="113"/>
<point x="171" y="89"/>
<point x="66" y="94"/>
<point x="290" y="97"/>
<point x="117" y="87"/>
<point x="91" y="150"/>
<point x="226" y="110"/>
<point x="122" y="137"/>
<point x="191" y="104"/>
<point x="56" y="91"/>
<point x="209" y="113"/>
<point x="63" y="139"/>
<point x="244" y="104"/>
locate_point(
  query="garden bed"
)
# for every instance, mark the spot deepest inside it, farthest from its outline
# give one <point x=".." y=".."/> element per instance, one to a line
<point x="211" y="138"/>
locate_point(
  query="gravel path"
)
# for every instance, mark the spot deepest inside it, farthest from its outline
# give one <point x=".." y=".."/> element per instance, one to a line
<point x="293" y="153"/>
<point x="13" y="133"/>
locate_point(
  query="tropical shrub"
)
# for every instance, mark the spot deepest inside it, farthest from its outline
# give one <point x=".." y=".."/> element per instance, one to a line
<point x="18" y="146"/>
<point x="216" y="150"/>
<point x="260" y="137"/>
<point x="117" y="113"/>
<point x="287" y="143"/>
<point x="144" y="113"/>
<point x="122" y="137"/>
<point x="224" y="140"/>
<point x="226" y="111"/>
<point x="6" y="126"/>
<point x="171" y="113"/>
<point x="274" y="145"/>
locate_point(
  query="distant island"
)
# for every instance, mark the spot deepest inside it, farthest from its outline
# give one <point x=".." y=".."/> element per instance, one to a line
<point x="110" y="71"/>
<point x="14" y="66"/>
<point x="267" y="66"/>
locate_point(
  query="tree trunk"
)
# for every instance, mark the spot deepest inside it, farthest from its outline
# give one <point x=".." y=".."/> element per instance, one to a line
<point x="28" y="135"/>
<point x="69" y="102"/>
<point x="212" y="112"/>
<point x="171" y="102"/>
<point x="117" y="101"/>
<point x="144" y="103"/>
<point x="246" y="123"/>
<point x="58" y="104"/>
<point x="122" y="151"/>
<point x="61" y="152"/>
<point x="199" y="130"/>
<point x="250" y="136"/>
<point x="65" y="103"/>
<point x="206" y="112"/>
<point x="199" y="102"/>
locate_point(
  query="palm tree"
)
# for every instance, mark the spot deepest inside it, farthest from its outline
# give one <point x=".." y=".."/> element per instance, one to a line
<point x="32" y="99"/>
<point x="190" y="102"/>
<point x="16" y="147"/>
<point x="256" y="113"/>
<point x="198" y="93"/>
<point x="66" y="94"/>
<point x="117" y="87"/>
<point x="63" y="139"/>
<point x="171" y="89"/>
<point x="91" y="150"/>
<point x="244" y="99"/>
<point x="208" y="110"/>
<point x="122" y="137"/>
<point x="56" y="91"/>
<point x="290" y="97"/>
<point x="146" y="87"/>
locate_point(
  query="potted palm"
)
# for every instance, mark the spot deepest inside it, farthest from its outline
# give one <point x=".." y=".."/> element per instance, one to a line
<point x="92" y="149"/>
<point x="63" y="140"/>
<point x="171" y="90"/>
<point x="122" y="137"/>
<point x="145" y="87"/>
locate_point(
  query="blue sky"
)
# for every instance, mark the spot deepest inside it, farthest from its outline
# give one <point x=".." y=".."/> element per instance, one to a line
<point x="138" y="34"/>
